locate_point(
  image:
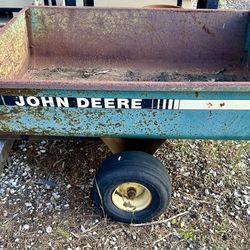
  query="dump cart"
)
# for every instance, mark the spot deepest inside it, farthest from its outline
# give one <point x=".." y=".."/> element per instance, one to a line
<point x="134" y="78"/>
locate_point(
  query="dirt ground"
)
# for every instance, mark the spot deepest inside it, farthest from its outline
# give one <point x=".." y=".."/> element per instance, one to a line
<point x="45" y="198"/>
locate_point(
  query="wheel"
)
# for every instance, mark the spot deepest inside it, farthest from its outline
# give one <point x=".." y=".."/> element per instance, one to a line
<point x="132" y="187"/>
<point x="207" y="4"/>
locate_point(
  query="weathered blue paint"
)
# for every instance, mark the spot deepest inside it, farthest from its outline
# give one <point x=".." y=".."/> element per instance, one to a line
<point x="53" y="121"/>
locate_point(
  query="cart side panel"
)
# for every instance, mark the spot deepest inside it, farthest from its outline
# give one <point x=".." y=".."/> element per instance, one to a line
<point x="14" y="48"/>
<point x="205" y="115"/>
<point x="173" y="38"/>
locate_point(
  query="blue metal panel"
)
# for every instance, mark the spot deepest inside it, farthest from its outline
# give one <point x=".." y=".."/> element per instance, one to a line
<point x="140" y="123"/>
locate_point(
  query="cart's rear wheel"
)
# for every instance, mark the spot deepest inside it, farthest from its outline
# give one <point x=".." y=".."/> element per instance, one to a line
<point x="207" y="4"/>
<point x="132" y="186"/>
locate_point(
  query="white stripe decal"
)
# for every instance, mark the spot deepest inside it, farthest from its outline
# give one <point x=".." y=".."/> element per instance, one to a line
<point x="158" y="104"/>
<point x="164" y="104"/>
<point x="214" y="104"/>
<point x="123" y="103"/>
<point x="176" y="104"/>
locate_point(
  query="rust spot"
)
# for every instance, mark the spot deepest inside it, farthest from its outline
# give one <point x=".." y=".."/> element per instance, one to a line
<point x="197" y="94"/>
<point x="222" y="104"/>
<point x="19" y="92"/>
<point x="209" y="105"/>
<point x="207" y="30"/>
<point x="128" y="204"/>
<point x="119" y="111"/>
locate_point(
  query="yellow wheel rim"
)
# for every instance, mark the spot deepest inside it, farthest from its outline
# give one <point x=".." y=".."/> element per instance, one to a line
<point x="131" y="197"/>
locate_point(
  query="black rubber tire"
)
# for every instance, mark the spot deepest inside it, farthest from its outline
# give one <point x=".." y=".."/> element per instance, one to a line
<point x="212" y="4"/>
<point x="132" y="166"/>
<point x="208" y="4"/>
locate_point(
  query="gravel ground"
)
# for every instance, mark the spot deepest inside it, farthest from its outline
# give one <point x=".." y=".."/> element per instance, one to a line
<point x="45" y="197"/>
<point x="235" y="4"/>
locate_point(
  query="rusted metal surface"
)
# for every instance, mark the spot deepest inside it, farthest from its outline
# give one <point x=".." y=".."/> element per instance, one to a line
<point x="14" y="48"/>
<point x="31" y="87"/>
<point x="176" y="38"/>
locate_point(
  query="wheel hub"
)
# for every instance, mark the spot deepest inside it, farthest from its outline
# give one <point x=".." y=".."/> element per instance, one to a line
<point x="131" y="197"/>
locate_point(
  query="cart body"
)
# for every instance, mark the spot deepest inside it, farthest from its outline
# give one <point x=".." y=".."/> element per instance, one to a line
<point x="137" y="73"/>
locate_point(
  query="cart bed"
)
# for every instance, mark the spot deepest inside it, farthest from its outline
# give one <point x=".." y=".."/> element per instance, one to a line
<point x="143" y="73"/>
<point x="126" y="74"/>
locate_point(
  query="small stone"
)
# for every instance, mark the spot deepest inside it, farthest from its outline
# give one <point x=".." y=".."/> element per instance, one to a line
<point x="27" y="169"/>
<point x="49" y="229"/>
<point x="112" y="242"/>
<point x="56" y="196"/>
<point x="244" y="192"/>
<point x="248" y="211"/>
<point x="26" y="227"/>
<point x="236" y="207"/>
<point x="247" y="199"/>
<point x="236" y="194"/>
<point x="12" y="191"/>
<point x="28" y="204"/>
<point x="218" y="209"/>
